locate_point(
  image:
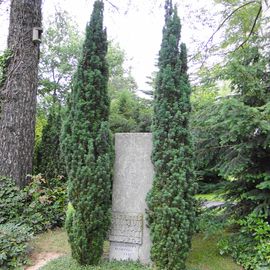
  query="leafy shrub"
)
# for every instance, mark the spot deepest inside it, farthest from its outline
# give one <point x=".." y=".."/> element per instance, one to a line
<point x="250" y="247"/>
<point x="40" y="205"/>
<point x="13" y="245"/>
<point x="47" y="201"/>
<point x="12" y="200"/>
<point x="37" y="207"/>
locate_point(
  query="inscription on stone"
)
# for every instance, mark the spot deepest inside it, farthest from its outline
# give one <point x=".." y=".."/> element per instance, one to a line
<point x="126" y="228"/>
<point x="124" y="251"/>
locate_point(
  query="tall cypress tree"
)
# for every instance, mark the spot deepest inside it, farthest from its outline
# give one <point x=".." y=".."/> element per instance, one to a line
<point x="87" y="147"/>
<point x="171" y="204"/>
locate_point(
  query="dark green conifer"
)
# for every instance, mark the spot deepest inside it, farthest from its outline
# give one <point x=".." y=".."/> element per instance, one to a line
<point x="87" y="147"/>
<point x="49" y="160"/>
<point x="171" y="204"/>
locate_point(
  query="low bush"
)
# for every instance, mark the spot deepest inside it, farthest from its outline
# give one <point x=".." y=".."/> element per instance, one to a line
<point x="46" y="203"/>
<point x="12" y="201"/>
<point x="40" y="205"/>
<point x="250" y="247"/>
<point x="13" y="245"/>
<point x="23" y="212"/>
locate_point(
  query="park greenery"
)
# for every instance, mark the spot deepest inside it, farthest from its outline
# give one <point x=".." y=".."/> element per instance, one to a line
<point x="171" y="214"/>
<point x="87" y="146"/>
<point x="215" y="130"/>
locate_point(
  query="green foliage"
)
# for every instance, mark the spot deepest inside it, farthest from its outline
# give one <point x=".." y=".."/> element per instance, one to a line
<point x="40" y="205"/>
<point x="49" y="160"/>
<point x="202" y="99"/>
<point x="12" y="200"/>
<point x="120" y="79"/>
<point x="250" y="246"/>
<point x="37" y="207"/>
<point x="248" y="75"/>
<point x="46" y="203"/>
<point x="171" y="204"/>
<point x="41" y="122"/>
<point x="4" y="61"/>
<point x="60" y="50"/>
<point x="241" y="23"/>
<point x="234" y="141"/>
<point x="87" y="146"/>
<point x="233" y="133"/>
<point x="13" y="245"/>
<point x="212" y="221"/>
<point x="130" y="113"/>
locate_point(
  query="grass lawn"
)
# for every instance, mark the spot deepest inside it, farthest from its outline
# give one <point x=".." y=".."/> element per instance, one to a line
<point x="66" y="263"/>
<point x="204" y="255"/>
<point x="51" y="241"/>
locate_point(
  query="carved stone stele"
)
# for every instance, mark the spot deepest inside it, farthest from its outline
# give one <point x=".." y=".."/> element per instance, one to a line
<point x="133" y="174"/>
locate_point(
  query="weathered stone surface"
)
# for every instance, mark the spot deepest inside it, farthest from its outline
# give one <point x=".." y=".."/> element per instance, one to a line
<point x="127" y="228"/>
<point x="133" y="175"/>
<point x="124" y="251"/>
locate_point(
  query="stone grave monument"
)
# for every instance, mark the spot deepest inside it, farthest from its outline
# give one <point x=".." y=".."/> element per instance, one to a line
<point x="133" y="174"/>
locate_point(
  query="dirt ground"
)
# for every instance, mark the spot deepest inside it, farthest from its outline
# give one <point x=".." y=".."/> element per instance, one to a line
<point x="41" y="259"/>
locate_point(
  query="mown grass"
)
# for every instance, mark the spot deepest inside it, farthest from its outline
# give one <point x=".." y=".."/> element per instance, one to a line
<point x="66" y="263"/>
<point x="203" y="256"/>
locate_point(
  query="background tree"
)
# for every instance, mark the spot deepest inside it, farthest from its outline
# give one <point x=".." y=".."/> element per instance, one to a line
<point x="234" y="132"/>
<point x="120" y="77"/>
<point x="171" y="203"/>
<point x="18" y="94"/>
<point x="87" y="147"/>
<point x="49" y="159"/>
<point x="232" y="128"/>
<point x="226" y="145"/>
<point x="130" y="113"/>
<point x="60" y="53"/>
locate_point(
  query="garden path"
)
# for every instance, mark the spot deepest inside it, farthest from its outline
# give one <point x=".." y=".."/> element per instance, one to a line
<point x="40" y="259"/>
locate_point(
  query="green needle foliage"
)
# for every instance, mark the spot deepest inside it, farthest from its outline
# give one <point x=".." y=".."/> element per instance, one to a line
<point x="87" y="147"/>
<point x="171" y="204"/>
<point x="49" y="160"/>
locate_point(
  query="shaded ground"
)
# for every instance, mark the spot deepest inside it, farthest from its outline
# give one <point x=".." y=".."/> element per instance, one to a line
<point x="46" y="247"/>
<point x="203" y="256"/>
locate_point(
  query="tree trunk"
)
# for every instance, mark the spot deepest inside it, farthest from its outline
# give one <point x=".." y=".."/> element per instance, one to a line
<point x="18" y="105"/>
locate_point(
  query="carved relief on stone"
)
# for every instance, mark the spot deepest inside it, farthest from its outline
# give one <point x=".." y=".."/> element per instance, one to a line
<point x="126" y="227"/>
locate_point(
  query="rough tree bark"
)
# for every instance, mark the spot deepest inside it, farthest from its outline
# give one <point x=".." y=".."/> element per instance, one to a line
<point x="18" y="95"/>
